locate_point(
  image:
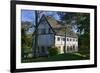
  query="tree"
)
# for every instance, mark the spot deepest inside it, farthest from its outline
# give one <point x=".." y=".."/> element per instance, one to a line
<point x="26" y="40"/>
<point x="35" y="34"/>
<point x="53" y="51"/>
<point x="81" y="23"/>
<point x="24" y="36"/>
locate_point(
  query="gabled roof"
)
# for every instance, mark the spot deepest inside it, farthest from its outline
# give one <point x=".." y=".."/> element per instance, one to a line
<point x="58" y="27"/>
<point x="54" y="23"/>
<point x="69" y="33"/>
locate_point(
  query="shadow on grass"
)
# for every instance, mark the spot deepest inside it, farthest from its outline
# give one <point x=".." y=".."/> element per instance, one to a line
<point x="59" y="57"/>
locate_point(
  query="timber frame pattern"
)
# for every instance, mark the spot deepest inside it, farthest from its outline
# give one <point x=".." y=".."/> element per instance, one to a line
<point x="13" y="36"/>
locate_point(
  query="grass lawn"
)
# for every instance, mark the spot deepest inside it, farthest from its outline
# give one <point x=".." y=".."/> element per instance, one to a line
<point x="60" y="57"/>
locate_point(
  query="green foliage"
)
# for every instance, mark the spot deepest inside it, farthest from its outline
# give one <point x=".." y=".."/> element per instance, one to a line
<point x="84" y="44"/>
<point x="53" y="51"/>
<point x="59" y="57"/>
<point x="82" y="25"/>
<point x="26" y="40"/>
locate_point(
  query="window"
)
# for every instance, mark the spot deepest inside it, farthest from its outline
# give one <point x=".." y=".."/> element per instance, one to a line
<point x="43" y="31"/>
<point x="63" y="39"/>
<point x="43" y="49"/>
<point x="68" y="48"/>
<point x="67" y="39"/>
<point x="70" y="39"/>
<point x="71" y="48"/>
<point x="49" y="30"/>
<point x="58" y="38"/>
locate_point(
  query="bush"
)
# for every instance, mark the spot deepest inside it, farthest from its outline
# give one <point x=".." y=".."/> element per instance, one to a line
<point x="25" y="52"/>
<point x="53" y="51"/>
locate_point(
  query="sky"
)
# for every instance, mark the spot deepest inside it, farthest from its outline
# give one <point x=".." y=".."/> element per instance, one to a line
<point x="29" y="15"/>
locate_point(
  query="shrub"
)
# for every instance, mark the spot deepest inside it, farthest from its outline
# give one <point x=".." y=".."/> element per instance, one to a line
<point x="25" y="52"/>
<point x="53" y="51"/>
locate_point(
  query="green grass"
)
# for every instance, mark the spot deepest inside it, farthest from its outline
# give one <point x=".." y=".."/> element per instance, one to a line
<point x="60" y="57"/>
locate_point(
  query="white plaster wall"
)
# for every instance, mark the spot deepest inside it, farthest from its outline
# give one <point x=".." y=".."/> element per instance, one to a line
<point x="61" y="42"/>
<point x="68" y="43"/>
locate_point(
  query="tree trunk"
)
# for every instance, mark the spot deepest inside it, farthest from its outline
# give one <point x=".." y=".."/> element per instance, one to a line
<point x="35" y="42"/>
<point x="65" y="42"/>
